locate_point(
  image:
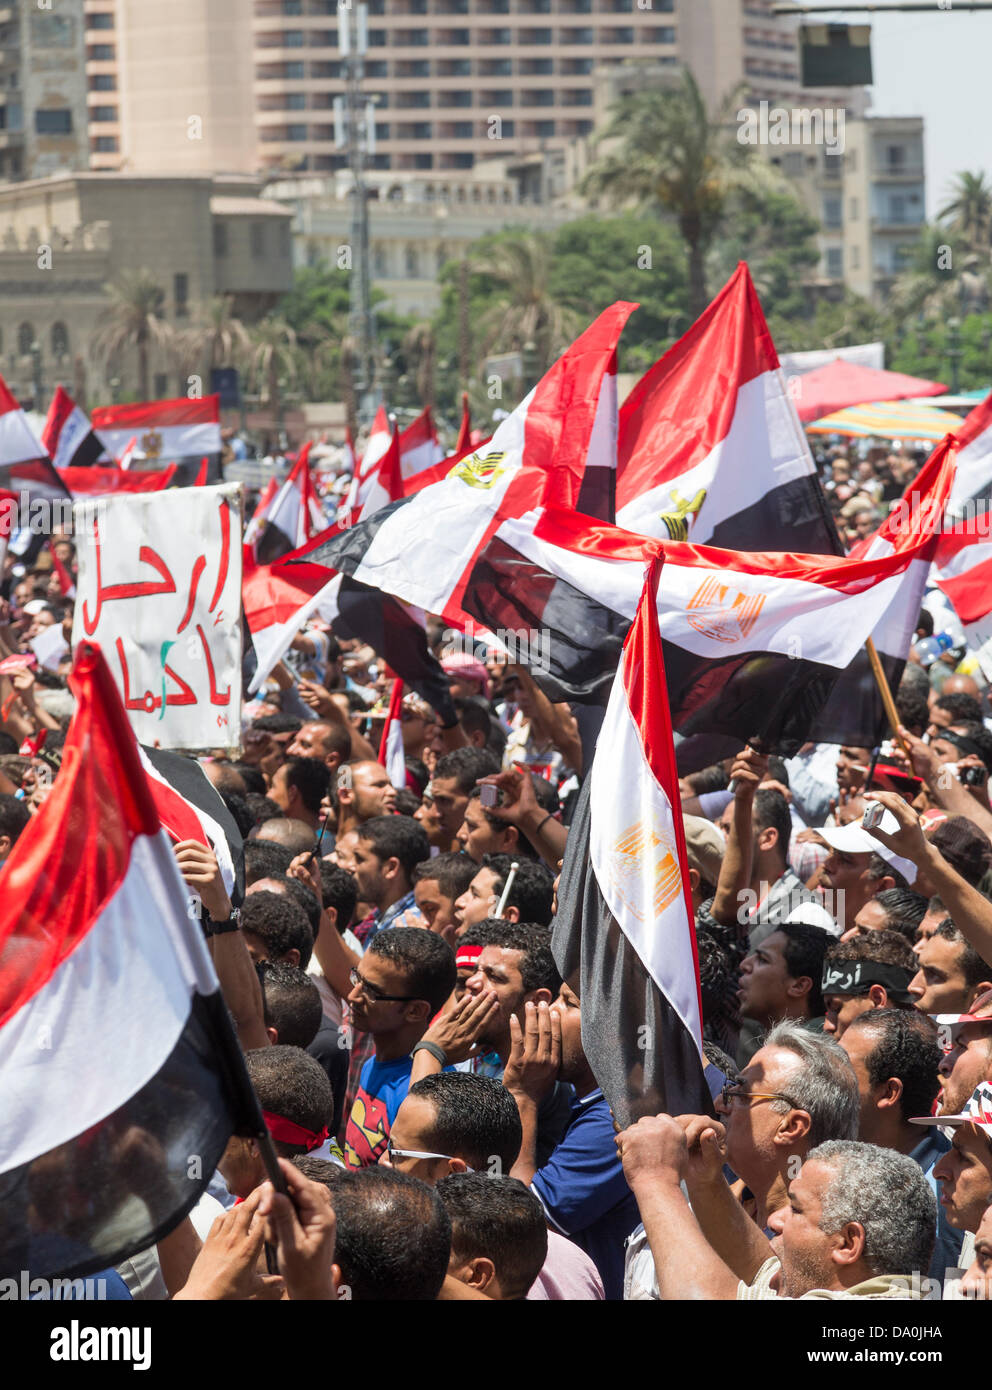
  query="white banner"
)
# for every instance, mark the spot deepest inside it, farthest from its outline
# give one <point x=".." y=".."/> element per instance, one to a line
<point x="159" y="588"/>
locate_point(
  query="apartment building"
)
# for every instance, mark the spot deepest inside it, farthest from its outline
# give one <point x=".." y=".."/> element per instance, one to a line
<point x="43" y="124"/>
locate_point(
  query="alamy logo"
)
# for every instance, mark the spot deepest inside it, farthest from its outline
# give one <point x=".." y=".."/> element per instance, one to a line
<point x="792" y="125"/>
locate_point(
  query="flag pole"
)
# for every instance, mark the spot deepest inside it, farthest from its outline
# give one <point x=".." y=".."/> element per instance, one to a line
<point x="891" y="713"/>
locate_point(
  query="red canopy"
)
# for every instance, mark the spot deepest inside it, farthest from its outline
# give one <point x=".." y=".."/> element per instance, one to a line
<point x="841" y="384"/>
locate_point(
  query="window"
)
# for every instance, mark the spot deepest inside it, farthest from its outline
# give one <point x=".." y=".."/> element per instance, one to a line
<point x="422" y="130"/>
<point x="103" y="82"/>
<point x="180" y="294"/>
<point x="895" y="156"/>
<point x="576" y="36"/>
<point x="852" y="209"/>
<point x="544" y="98"/>
<point x="541" y="36"/>
<point x="25" y="337"/>
<point x="161" y="387"/>
<point x="544" y="128"/>
<point x="296" y="101"/>
<point x="456" y="98"/>
<point x="293" y="38"/>
<point x="462" y="130"/>
<point x="508" y="129"/>
<point x="103" y="113"/>
<point x="57" y="122"/>
<point x="296" y="132"/>
<point x="100" y="21"/>
<point x="833" y="212"/>
<point x="382" y="130"/>
<point x="102" y="52"/>
<point x="835" y="262"/>
<point x="663" y="35"/>
<point x="105" y="144"/>
<point x="412" y="260"/>
<point x="257" y="239"/>
<point x="376" y="69"/>
<point x="293" y="71"/>
<point x="60" y="340"/>
<point x="220" y="238"/>
<point x="463" y="160"/>
<point x="495" y="67"/>
<point x="377" y="38"/>
<point x="498" y="98"/>
<point x="423" y="161"/>
<point x="292" y="7"/>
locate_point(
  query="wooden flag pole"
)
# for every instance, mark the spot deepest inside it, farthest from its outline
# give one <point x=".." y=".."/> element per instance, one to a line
<point x="892" y="714"/>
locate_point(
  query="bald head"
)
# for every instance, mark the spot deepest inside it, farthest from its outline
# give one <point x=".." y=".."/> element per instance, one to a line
<point x="961" y="685"/>
<point x="293" y="835"/>
<point x="323" y="740"/>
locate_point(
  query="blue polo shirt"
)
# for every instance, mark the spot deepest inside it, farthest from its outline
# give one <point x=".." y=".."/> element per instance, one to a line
<point x="947" y="1246"/>
<point x="584" y="1192"/>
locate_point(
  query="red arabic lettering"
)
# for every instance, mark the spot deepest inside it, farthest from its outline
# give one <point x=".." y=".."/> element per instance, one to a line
<point x="136" y="589"/>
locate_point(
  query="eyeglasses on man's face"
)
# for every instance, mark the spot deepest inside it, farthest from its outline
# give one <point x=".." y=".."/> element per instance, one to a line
<point x="735" y="1091"/>
<point x="394" y="1153"/>
<point x="373" y="993"/>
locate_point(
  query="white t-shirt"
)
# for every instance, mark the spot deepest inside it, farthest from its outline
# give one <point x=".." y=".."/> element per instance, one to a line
<point x="331" y="1001"/>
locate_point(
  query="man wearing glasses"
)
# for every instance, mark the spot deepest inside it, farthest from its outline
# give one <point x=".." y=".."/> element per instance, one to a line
<point x="399" y="984"/>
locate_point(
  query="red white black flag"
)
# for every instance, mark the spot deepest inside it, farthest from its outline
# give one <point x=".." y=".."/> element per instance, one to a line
<point x="68" y="435"/>
<point x="120" y="1077"/>
<point x="625" y="925"/>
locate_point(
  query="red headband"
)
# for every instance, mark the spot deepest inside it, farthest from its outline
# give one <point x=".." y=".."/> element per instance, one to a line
<point x="467" y="955"/>
<point x="288" y="1133"/>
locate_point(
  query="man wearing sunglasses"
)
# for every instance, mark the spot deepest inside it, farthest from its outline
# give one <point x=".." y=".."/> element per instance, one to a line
<point x="403" y="979"/>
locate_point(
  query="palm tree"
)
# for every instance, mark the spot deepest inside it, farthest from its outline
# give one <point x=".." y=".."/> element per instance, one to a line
<point x="674" y="156"/>
<point x="929" y="286"/>
<point x="525" y="310"/>
<point x="134" y="321"/>
<point x="273" y="352"/>
<point x="969" y="210"/>
<point x="224" y="337"/>
<point x="420" y="352"/>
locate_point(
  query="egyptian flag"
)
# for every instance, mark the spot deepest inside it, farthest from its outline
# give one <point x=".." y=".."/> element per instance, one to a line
<point x="24" y="463"/>
<point x="180" y="429"/>
<point x="424" y="547"/>
<point x="419" y="446"/>
<point x="191" y="808"/>
<point x="117" y="1057"/>
<point x="464" y="440"/>
<point x="963" y="572"/>
<point x="854" y="713"/>
<point x="278" y="600"/>
<point x="710" y="443"/>
<point x="972" y="491"/>
<point x="384" y="484"/>
<point x="391" y="753"/>
<point x="365" y="476"/>
<point x="67" y="585"/>
<point x="68" y="435"/>
<point x="624" y="927"/>
<point x="753" y="643"/>
<point x="96" y="481"/>
<point x="291" y="518"/>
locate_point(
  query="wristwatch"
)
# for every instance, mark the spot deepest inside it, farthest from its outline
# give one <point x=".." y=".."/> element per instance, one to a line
<point x="212" y="928"/>
<point x="438" y="1053"/>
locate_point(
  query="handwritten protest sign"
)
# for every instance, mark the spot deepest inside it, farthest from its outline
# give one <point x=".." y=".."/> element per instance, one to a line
<point x="159" y="588"/>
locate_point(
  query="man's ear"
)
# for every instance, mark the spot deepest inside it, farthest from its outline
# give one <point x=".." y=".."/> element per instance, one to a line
<point x="884" y="883"/>
<point x="879" y="997"/>
<point x="478" y="1273"/>
<point x="5" y="846"/>
<point x="511" y="914"/>
<point x="799" y="987"/>
<point x="795" y="1127"/>
<point x="391" y="867"/>
<point x="292" y="956"/>
<point x="889" y="1093"/>
<point x="694" y="880"/>
<point x="511" y="838"/>
<point x="456" y="1165"/>
<point x="848" y="1244"/>
<point x="332" y="916"/>
<point x="539" y="996"/>
<point x="977" y="993"/>
<point x="273" y="1036"/>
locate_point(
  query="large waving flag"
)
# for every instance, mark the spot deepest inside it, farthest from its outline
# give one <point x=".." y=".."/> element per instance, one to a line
<point x="710" y="443"/>
<point x="190" y="808"/>
<point x="753" y="643"/>
<point x="280" y="598"/>
<point x="624" y="925"/>
<point x="169" y="430"/>
<point x="424" y="547"/>
<point x="854" y="713"/>
<point x="973" y="483"/>
<point x="118" y="1064"/>
<point x="68" y="435"/>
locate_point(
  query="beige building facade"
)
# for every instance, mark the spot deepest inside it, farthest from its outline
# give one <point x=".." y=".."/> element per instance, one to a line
<point x="63" y="240"/>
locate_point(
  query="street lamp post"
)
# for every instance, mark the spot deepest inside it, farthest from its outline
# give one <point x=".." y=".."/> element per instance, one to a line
<point x="954" y="353"/>
<point x="36" y="373"/>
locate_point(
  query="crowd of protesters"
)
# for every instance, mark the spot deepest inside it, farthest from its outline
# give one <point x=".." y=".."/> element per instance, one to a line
<point x="440" y="1128"/>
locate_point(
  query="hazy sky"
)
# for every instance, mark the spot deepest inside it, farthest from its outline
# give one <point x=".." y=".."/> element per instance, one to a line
<point x="936" y="66"/>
